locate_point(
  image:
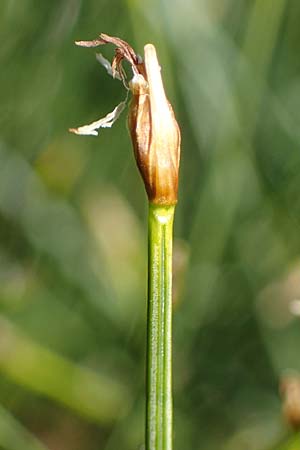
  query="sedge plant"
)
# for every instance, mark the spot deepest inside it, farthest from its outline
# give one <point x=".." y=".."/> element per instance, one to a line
<point x="156" y="142"/>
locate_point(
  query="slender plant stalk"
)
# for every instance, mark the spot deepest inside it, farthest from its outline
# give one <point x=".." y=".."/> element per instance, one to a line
<point x="155" y="136"/>
<point x="159" y="337"/>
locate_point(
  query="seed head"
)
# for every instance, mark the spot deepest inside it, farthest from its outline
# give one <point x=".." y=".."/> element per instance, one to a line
<point x="152" y="125"/>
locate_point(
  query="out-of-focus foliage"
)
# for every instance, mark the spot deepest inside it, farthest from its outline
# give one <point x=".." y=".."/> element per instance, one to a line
<point x="73" y="226"/>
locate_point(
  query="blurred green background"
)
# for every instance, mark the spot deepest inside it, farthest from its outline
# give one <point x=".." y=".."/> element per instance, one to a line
<point x="73" y="226"/>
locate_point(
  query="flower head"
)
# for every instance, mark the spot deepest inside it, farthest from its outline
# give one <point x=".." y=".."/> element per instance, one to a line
<point x="154" y="131"/>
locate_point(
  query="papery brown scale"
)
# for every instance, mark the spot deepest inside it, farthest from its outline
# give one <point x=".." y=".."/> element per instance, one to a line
<point x="155" y="133"/>
<point x="139" y="124"/>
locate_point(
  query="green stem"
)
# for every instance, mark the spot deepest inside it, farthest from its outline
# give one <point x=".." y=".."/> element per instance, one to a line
<point x="159" y="339"/>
